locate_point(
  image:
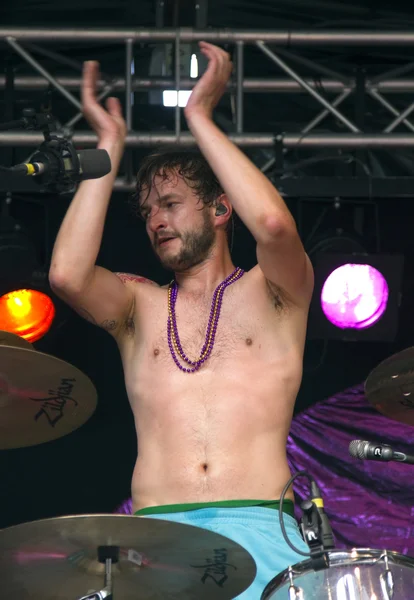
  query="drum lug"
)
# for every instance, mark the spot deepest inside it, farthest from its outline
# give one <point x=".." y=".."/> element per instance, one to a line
<point x="387" y="580"/>
<point x="295" y="593"/>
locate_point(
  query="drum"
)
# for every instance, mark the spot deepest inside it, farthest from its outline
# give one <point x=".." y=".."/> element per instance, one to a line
<point x="360" y="574"/>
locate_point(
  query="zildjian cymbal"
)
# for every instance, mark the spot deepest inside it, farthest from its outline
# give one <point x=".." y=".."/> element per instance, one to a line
<point x="64" y="559"/>
<point x="390" y="387"/>
<point x="11" y="339"/>
<point x="42" y="398"/>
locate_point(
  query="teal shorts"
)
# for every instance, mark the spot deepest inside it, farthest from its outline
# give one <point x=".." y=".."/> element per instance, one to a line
<point x="256" y="529"/>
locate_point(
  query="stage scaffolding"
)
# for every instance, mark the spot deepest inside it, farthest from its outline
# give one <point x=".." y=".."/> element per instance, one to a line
<point x="280" y="47"/>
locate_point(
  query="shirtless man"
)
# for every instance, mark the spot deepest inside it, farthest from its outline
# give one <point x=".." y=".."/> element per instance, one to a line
<point x="214" y="436"/>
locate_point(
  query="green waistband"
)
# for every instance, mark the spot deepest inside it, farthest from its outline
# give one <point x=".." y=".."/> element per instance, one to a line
<point x="288" y="506"/>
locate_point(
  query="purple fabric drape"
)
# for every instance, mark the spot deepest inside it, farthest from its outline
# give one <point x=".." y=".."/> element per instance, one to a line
<point x="369" y="503"/>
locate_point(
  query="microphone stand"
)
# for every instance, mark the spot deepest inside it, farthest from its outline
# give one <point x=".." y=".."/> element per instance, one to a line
<point x="104" y="594"/>
<point x="31" y="120"/>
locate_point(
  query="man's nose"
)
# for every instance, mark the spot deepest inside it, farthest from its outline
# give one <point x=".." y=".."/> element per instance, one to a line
<point x="156" y="220"/>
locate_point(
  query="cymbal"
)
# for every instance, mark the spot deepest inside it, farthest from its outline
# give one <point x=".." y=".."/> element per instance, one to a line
<point x="390" y="387"/>
<point x="56" y="559"/>
<point x="42" y="397"/>
<point x="11" y="339"/>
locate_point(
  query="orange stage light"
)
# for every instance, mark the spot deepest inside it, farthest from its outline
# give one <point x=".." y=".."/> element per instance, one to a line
<point x="28" y="313"/>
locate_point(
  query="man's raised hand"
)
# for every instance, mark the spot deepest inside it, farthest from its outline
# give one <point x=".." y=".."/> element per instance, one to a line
<point x="108" y="124"/>
<point x="210" y="88"/>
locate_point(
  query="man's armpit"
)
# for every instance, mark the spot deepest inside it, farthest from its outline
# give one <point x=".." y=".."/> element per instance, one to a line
<point x="135" y="278"/>
<point x="277" y="295"/>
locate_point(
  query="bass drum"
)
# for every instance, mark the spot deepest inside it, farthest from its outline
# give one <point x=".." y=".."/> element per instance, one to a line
<point x="360" y="574"/>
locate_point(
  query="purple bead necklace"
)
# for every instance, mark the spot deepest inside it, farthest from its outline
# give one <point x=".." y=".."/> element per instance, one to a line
<point x="172" y="329"/>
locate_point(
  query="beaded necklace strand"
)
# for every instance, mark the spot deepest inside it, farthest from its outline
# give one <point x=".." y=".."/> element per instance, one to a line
<point x="174" y="343"/>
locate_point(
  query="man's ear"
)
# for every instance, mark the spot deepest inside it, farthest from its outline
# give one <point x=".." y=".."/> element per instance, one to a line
<point x="222" y="206"/>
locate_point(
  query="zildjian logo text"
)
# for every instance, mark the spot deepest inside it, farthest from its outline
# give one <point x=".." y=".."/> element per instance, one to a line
<point x="53" y="406"/>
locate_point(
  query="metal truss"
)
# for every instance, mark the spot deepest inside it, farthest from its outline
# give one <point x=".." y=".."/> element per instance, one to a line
<point x="336" y="86"/>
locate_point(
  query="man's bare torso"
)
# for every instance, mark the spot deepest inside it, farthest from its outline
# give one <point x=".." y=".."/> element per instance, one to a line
<point x="219" y="433"/>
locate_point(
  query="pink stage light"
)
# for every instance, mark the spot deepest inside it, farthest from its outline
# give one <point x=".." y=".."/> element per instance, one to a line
<point x="354" y="296"/>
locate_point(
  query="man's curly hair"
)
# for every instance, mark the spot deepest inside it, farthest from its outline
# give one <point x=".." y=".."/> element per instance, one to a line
<point x="188" y="164"/>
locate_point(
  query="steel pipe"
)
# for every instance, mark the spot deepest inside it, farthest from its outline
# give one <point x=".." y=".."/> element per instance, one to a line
<point x="349" y="37"/>
<point x="323" y="189"/>
<point x="259" y="140"/>
<point x="377" y="96"/>
<point x="239" y="87"/>
<point x="323" y="114"/>
<point x="177" y="69"/>
<point x="312" y="64"/>
<point x="392" y="73"/>
<point x="36" y="65"/>
<point x="129" y="46"/>
<point x="399" y="118"/>
<point x="281" y="63"/>
<point x="280" y="85"/>
<point x="311" y="125"/>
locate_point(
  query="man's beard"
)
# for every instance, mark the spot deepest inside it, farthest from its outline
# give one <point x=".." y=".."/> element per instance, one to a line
<point x="195" y="248"/>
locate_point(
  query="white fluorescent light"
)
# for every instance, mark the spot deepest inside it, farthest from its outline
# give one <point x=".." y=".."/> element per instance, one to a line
<point x="169" y="98"/>
<point x="194" y="66"/>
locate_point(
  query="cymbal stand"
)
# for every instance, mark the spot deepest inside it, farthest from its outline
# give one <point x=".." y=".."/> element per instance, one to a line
<point x="101" y="595"/>
<point x="108" y="555"/>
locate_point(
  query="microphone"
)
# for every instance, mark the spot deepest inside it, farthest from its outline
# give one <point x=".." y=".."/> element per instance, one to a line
<point x="383" y="452"/>
<point x="58" y="166"/>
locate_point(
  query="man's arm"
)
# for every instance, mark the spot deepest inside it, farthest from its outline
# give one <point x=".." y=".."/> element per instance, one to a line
<point x="280" y="253"/>
<point x="95" y="293"/>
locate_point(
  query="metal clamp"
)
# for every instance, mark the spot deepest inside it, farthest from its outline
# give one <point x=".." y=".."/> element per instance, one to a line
<point x="101" y="595"/>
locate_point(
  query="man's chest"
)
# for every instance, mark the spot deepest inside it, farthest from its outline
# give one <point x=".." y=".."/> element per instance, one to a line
<point x="196" y="334"/>
<point x="240" y="328"/>
<point x="235" y="331"/>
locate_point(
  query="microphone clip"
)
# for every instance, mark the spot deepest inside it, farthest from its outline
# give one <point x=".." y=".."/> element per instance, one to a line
<point x="311" y="527"/>
<point x="61" y="160"/>
<point x="56" y="152"/>
<point x="55" y="164"/>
